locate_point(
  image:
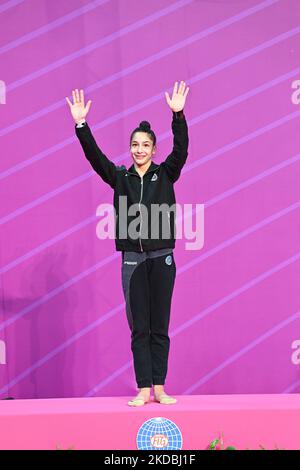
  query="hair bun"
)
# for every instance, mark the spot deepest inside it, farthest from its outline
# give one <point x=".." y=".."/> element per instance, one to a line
<point x="145" y="125"/>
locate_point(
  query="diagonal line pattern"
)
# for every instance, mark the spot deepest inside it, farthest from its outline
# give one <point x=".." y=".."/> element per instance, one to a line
<point x="48" y="243"/>
<point x="47" y="196"/>
<point x="62" y="346"/>
<point x="94" y="46"/>
<point x="232" y="145"/>
<point x="215" y="371"/>
<point x="202" y="117"/>
<point x="206" y="312"/>
<point x="176" y="332"/>
<point x="235" y="293"/>
<point x="220" y="197"/>
<point x="10" y="4"/>
<point x="257" y="341"/>
<point x="210" y="156"/>
<point x="54" y="292"/>
<point x="154" y="99"/>
<point x="117" y="307"/>
<point x="184" y="268"/>
<point x="249" y="94"/>
<point x="292" y="387"/>
<point x="239" y="236"/>
<point x="188" y="265"/>
<point x="141" y="64"/>
<point x="52" y="25"/>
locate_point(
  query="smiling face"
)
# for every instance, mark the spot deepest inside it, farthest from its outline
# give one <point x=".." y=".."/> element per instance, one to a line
<point x="142" y="149"/>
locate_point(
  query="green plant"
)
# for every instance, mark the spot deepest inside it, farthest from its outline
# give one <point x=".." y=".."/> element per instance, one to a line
<point x="218" y="444"/>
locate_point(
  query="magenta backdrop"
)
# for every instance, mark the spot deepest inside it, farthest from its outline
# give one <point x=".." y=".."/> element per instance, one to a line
<point x="236" y="308"/>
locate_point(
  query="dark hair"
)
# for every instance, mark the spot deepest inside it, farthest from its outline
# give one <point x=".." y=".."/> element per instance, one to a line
<point x="144" y="126"/>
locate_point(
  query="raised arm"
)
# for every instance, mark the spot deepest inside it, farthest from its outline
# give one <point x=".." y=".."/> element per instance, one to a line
<point x="101" y="164"/>
<point x="177" y="158"/>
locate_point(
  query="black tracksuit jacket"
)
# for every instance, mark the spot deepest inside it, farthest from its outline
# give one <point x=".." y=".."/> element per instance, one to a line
<point x="146" y="190"/>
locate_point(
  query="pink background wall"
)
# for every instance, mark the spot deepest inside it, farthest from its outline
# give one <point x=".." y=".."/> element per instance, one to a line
<point x="236" y="307"/>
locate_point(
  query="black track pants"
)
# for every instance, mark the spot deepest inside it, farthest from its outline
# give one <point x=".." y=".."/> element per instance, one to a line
<point x="148" y="280"/>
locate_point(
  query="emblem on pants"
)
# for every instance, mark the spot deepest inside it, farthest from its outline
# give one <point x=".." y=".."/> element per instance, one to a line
<point x="168" y="260"/>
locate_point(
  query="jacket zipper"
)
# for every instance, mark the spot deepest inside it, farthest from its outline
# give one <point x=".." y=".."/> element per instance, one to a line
<point x="141" y="212"/>
<point x="141" y="196"/>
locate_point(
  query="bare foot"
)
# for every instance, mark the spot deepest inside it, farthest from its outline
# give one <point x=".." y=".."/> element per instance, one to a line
<point x="142" y="398"/>
<point x="162" y="397"/>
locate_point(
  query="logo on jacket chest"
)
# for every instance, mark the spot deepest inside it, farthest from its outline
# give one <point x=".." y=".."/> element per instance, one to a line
<point x="154" y="177"/>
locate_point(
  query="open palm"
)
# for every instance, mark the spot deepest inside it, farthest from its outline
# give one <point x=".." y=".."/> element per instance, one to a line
<point x="78" y="109"/>
<point x="177" y="101"/>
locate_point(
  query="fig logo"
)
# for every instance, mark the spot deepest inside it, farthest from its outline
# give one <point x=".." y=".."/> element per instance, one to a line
<point x="2" y="352"/>
<point x="159" y="433"/>
<point x="2" y="92"/>
<point x="159" y="441"/>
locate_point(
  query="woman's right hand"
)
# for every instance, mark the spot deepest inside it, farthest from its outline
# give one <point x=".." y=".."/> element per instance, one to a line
<point x="78" y="110"/>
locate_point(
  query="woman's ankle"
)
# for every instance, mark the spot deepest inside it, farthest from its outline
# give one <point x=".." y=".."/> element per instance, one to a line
<point x="158" y="388"/>
<point x="145" y="391"/>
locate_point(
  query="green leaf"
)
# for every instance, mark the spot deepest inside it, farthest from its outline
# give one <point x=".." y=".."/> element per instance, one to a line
<point x="213" y="444"/>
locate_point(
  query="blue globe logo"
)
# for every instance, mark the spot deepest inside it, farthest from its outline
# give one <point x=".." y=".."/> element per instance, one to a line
<point x="159" y="434"/>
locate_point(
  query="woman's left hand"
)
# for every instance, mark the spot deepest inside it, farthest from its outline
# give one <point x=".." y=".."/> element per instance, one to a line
<point x="177" y="101"/>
